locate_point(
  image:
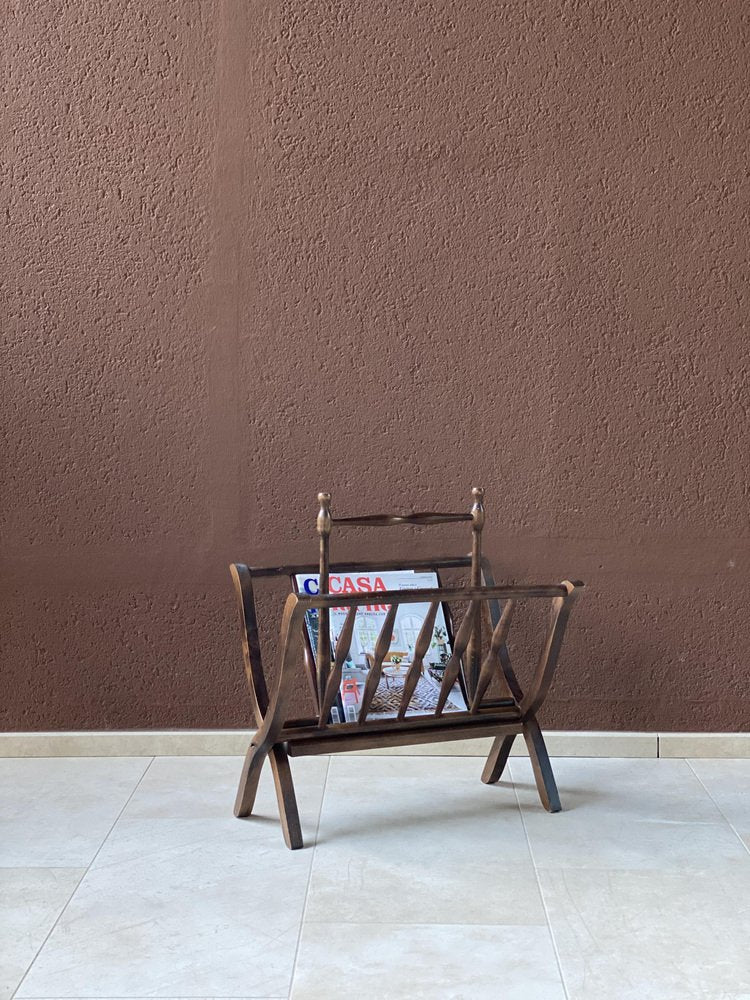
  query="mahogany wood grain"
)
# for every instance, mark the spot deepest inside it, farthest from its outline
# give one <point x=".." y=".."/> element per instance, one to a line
<point x="561" y="608"/>
<point x="323" y="525"/>
<point x="256" y="681"/>
<point x="420" y="649"/>
<point x="382" y="645"/>
<point x="333" y="684"/>
<point x="498" y="758"/>
<point x="278" y="736"/>
<point x="452" y="667"/>
<point x="491" y="663"/>
<point x="474" y="650"/>
<point x="360" y="566"/>
<point x="540" y="763"/>
<point x="501" y="710"/>
<point x="427" y="595"/>
<point x="282" y="780"/>
<point x="494" y="609"/>
<point x="329" y="742"/>
<point x="391" y="520"/>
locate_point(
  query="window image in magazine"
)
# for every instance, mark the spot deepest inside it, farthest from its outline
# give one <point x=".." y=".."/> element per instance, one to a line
<point x="367" y="625"/>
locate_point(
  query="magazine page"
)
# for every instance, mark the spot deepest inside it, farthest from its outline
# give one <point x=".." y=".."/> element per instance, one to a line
<point x="367" y="625"/>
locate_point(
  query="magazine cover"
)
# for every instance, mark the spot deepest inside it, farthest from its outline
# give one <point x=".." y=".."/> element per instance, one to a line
<point x="367" y="625"/>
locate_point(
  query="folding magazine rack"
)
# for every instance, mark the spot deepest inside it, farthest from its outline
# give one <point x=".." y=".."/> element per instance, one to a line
<point x="488" y="614"/>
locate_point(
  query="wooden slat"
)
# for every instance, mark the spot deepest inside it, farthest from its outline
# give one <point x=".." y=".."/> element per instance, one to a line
<point x="333" y="683"/>
<point x="561" y="608"/>
<point x="491" y="661"/>
<point x="256" y="680"/>
<point x="511" y="681"/>
<point x="454" y="663"/>
<point x="414" y="672"/>
<point x="428" y="595"/>
<point x="381" y="648"/>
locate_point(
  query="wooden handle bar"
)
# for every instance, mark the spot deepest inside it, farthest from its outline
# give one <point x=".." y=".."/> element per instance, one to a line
<point x="386" y="520"/>
<point x="292" y="569"/>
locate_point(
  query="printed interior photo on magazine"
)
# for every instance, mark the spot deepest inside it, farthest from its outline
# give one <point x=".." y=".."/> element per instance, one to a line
<point x="368" y="622"/>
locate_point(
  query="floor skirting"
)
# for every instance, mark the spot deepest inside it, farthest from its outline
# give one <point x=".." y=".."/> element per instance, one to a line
<point x="231" y="742"/>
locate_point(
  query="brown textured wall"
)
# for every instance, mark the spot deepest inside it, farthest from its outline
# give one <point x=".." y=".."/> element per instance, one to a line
<point x="437" y="244"/>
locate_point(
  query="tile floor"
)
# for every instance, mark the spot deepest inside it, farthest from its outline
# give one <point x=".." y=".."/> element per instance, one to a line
<point x="129" y="877"/>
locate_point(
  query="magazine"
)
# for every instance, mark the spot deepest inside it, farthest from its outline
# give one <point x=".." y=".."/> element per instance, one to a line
<point x="367" y="625"/>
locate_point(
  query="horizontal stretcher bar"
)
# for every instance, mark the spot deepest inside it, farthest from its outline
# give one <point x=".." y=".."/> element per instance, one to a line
<point x="441" y="730"/>
<point x="291" y="569"/>
<point x="433" y="594"/>
<point x="499" y="708"/>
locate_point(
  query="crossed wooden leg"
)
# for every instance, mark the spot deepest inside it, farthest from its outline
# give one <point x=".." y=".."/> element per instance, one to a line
<point x="545" y="779"/>
<point x="497" y="759"/>
<point x="282" y="779"/>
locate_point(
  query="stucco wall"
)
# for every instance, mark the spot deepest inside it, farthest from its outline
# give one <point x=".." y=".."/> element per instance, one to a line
<point x="393" y="250"/>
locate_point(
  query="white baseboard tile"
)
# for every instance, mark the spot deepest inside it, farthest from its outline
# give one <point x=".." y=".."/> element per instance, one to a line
<point x="128" y="743"/>
<point x="704" y="744"/>
<point x="234" y="742"/>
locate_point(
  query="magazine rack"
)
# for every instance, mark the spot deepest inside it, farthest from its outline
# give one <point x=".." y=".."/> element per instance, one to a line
<point x="488" y="613"/>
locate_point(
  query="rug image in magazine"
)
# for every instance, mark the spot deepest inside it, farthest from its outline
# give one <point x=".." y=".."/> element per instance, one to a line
<point x="368" y="622"/>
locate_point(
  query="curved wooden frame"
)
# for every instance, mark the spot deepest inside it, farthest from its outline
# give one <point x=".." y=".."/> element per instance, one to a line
<point x="278" y="737"/>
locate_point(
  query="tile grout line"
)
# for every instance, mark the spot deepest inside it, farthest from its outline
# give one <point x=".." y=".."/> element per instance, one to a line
<point x="309" y="879"/>
<point x="539" y="887"/>
<point x="723" y="815"/>
<point x="78" y="883"/>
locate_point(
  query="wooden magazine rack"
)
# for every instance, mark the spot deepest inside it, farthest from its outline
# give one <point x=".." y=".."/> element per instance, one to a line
<point x="279" y="737"/>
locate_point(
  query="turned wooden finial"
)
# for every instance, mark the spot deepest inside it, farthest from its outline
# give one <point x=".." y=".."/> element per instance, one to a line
<point x="323" y="665"/>
<point x="477" y="511"/>
<point x="324" y="514"/>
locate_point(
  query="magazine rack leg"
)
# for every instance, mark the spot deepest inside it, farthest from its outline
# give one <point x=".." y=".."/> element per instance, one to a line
<point x="530" y="704"/>
<point x="248" y="787"/>
<point x="545" y="779"/>
<point x="497" y="759"/>
<point x="282" y="779"/>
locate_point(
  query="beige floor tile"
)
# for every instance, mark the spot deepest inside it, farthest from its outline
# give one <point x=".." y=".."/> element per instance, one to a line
<point x="205" y="788"/>
<point x="626" y="814"/>
<point x="420" y="840"/>
<point x="651" y="935"/>
<point x="728" y="784"/>
<point x="176" y="906"/>
<point x="56" y="812"/>
<point x="338" y="961"/>
<point x="31" y="899"/>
